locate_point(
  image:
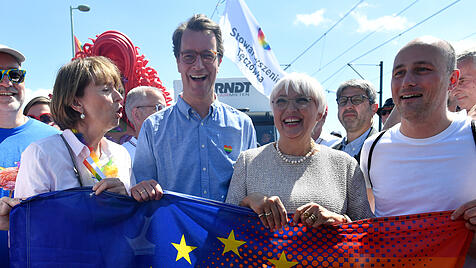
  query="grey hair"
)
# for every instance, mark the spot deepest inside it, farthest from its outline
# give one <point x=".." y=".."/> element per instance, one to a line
<point x="134" y="97"/>
<point x="302" y="84"/>
<point x="467" y="55"/>
<point x="364" y="85"/>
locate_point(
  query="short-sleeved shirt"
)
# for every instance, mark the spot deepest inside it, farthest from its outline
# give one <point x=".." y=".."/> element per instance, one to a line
<point x="189" y="154"/>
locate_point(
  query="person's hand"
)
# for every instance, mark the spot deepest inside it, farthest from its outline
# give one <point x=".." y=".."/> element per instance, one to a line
<point x="6" y="205"/>
<point x="467" y="212"/>
<point x="270" y="210"/>
<point x="314" y="215"/>
<point x="147" y="190"/>
<point x="111" y="185"/>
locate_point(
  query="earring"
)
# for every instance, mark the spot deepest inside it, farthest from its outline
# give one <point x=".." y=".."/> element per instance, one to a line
<point x="82" y="116"/>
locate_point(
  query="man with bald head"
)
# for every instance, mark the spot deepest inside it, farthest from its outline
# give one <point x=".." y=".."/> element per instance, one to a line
<point x="465" y="92"/>
<point x="141" y="102"/>
<point x="425" y="163"/>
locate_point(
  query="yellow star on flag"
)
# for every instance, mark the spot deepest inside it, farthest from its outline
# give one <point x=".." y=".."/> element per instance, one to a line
<point x="183" y="250"/>
<point x="282" y="262"/>
<point x="231" y="244"/>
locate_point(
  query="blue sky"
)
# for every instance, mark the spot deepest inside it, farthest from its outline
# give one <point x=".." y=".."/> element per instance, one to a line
<point x="41" y="30"/>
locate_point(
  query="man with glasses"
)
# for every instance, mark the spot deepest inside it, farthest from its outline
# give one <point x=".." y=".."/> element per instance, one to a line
<point x="465" y="92"/>
<point x="356" y="108"/>
<point x="191" y="147"/>
<point x="427" y="162"/>
<point x="141" y="102"/>
<point x="17" y="131"/>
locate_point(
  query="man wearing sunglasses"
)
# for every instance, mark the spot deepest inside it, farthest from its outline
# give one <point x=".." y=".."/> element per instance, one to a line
<point x="17" y="131"/>
<point x="385" y="110"/>
<point x="191" y="147"/>
<point x="141" y="102"/>
<point x="356" y="108"/>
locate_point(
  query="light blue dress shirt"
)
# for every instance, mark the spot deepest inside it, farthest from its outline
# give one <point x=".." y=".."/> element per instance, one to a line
<point x="353" y="148"/>
<point x="191" y="155"/>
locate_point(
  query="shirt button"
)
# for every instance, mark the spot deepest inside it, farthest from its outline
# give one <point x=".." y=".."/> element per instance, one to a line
<point x="205" y="191"/>
<point x="203" y="145"/>
<point x="222" y="197"/>
<point x="204" y="169"/>
<point x="201" y="123"/>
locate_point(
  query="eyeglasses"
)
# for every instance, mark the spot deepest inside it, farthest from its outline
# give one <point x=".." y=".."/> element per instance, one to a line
<point x="355" y="100"/>
<point x="157" y="107"/>
<point x="300" y="103"/>
<point x="14" y="75"/>
<point x="190" y="56"/>
<point x="46" y="118"/>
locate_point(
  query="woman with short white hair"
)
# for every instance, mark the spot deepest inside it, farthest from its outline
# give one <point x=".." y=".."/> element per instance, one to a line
<point x="322" y="185"/>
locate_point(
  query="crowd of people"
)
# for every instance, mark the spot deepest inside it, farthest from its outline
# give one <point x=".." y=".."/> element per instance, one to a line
<point x="423" y="161"/>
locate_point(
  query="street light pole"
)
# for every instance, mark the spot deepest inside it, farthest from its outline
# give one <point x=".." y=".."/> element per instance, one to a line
<point x="83" y="8"/>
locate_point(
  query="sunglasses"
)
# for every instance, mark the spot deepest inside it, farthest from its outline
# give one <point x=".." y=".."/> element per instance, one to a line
<point x="157" y="107"/>
<point x="384" y="112"/>
<point x="190" y="56"/>
<point x="46" y="118"/>
<point x="355" y="100"/>
<point x="299" y="103"/>
<point x="14" y="75"/>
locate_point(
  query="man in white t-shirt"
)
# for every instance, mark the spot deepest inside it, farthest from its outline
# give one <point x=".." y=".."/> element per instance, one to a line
<point x="427" y="162"/>
<point x="140" y="103"/>
<point x="322" y="137"/>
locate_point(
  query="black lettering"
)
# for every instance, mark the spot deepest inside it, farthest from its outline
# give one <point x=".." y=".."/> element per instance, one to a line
<point x="219" y="88"/>
<point x="233" y="31"/>
<point x="229" y="87"/>
<point x="247" y="86"/>
<point x="239" y="87"/>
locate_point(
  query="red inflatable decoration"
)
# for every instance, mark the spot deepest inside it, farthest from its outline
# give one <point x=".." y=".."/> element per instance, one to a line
<point x="134" y="70"/>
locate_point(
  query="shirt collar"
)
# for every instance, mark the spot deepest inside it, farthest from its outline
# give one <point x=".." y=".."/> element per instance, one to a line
<point x="78" y="147"/>
<point x="360" y="139"/>
<point x="188" y="111"/>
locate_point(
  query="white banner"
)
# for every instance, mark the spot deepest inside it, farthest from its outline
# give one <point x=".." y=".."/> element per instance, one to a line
<point x="246" y="46"/>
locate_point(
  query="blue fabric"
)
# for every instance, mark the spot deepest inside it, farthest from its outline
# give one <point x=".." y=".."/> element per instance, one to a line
<point x="75" y="228"/>
<point x="13" y="141"/>
<point x="353" y="148"/>
<point x="190" y="155"/>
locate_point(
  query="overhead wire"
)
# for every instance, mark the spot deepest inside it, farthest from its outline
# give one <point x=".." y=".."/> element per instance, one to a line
<point x="361" y="40"/>
<point x="324" y="34"/>
<point x="216" y="7"/>
<point x="394" y="37"/>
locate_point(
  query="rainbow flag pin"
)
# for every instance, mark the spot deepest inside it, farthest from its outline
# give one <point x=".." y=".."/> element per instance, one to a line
<point x="227" y="149"/>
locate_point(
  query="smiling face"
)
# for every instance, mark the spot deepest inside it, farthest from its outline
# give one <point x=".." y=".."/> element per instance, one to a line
<point x="291" y="122"/>
<point x="420" y="82"/>
<point x="199" y="77"/>
<point x="465" y="92"/>
<point x="101" y="105"/>
<point x="356" y="118"/>
<point x="12" y="95"/>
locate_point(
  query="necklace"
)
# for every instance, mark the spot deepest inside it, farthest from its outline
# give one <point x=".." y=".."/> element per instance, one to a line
<point x="299" y="161"/>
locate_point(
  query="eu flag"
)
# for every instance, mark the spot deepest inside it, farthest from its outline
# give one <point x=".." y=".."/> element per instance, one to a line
<point x="76" y="228"/>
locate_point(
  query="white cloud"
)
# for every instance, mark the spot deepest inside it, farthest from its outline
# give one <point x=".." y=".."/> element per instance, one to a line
<point x="314" y="19"/>
<point x="462" y="45"/>
<point x="385" y="23"/>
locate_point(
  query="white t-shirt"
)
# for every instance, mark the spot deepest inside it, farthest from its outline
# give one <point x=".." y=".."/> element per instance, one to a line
<point x="422" y="175"/>
<point x="327" y="139"/>
<point x="46" y="165"/>
<point x="130" y="146"/>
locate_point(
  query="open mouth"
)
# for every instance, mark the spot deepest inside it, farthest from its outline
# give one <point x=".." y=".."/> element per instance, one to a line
<point x="291" y="121"/>
<point x="7" y="93"/>
<point x="198" y="77"/>
<point x="410" y="96"/>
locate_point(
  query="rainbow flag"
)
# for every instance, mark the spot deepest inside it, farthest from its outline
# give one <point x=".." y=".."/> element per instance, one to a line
<point x="75" y="228"/>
